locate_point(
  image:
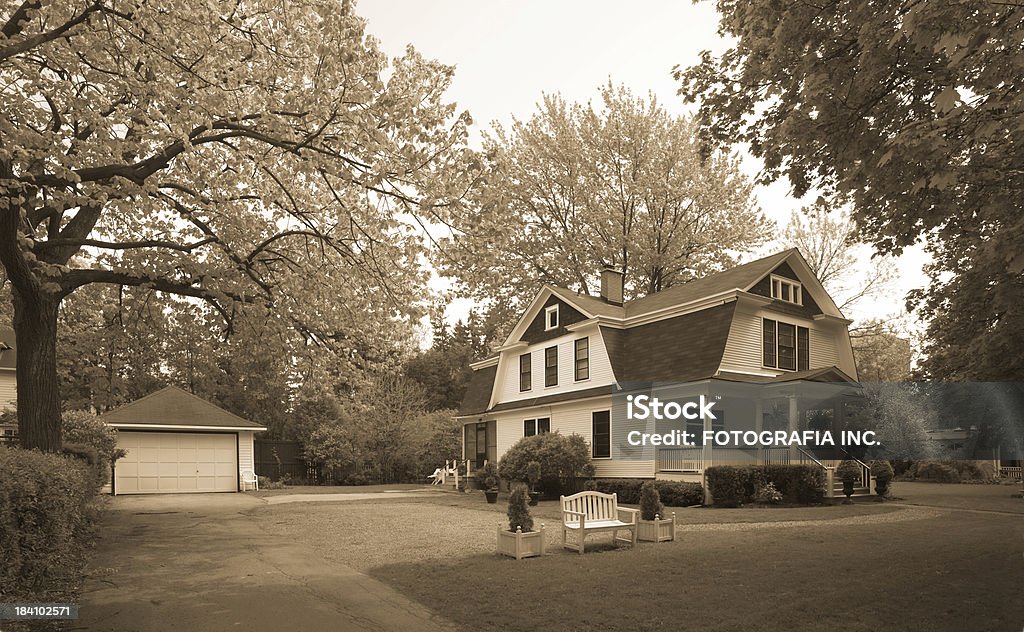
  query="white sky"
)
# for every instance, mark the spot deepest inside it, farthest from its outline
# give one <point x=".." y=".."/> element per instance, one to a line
<point x="508" y="53"/>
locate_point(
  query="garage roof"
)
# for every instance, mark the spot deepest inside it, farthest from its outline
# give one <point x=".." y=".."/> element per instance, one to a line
<point x="173" y="408"/>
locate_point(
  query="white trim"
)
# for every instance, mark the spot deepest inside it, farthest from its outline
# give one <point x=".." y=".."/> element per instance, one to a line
<point x="483" y="364"/>
<point x="542" y="296"/>
<point x="796" y="289"/>
<point x="548" y="311"/>
<point x="583" y="324"/>
<point x="131" y="426"/>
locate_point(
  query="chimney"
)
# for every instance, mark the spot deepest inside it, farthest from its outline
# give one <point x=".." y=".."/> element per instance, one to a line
<point x="611" y="286"/>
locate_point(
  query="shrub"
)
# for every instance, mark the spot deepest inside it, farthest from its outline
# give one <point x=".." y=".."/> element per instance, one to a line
<point x="849" y="471"/>
<point x="731" y="486"/>
<point x="518" y="511"/>
<point x="590" y="485"/>
<point x="46" y="516"/>
<point x="533" y="474"/>
<point x="677" y="494"/>
<point x="487" y="477"/>
<point x="883" y="473"/>
<point x="728" y="484"/>
<point x="935" y="471"/>
<point x="650" y="501"/>
<point x="672" y="493"/>
<point x="767" y="494"/>
<point x="562" y="459"/>
<point x="82" y="428"/>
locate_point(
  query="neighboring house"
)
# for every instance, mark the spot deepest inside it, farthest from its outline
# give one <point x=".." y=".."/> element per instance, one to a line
<point x="768" y="322"/>
<point x="177" y="442"/>
<point x="8" y="381"/>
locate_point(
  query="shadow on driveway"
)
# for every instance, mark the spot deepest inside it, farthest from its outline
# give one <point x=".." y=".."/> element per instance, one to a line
<point x="197" y="563"/>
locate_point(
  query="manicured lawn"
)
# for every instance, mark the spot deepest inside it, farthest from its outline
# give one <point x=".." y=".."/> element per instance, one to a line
<point x="863" y="567"/>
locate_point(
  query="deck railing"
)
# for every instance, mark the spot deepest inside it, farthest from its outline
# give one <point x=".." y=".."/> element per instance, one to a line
<point x="681" y="459"/>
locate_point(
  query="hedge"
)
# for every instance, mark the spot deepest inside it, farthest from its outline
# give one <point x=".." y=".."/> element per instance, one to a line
<point x="672" y="493"/>
<point x="46" y="517"/>
<point x="731" y="485"/>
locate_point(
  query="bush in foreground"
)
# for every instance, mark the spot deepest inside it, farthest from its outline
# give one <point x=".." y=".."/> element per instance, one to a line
<point x="47" y="513"/>
<point x="562" y="459"/>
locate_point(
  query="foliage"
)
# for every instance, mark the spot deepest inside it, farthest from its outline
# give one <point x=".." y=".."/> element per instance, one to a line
<point x="935" y="471"/>
<point x="46" y="516"/>
<point x="577" y="187"/>
<point x="883" y="473"/>
<point x="826" y="238"/>
<point x="650" y="501"/>
<point x="590" y="485"/>
<point x="85" y="428"/>
<point x="487" y="477"/>
<point x="443" y="370"/>
<point x="849" y="471"/>
<point x="562" y="460"/>
<point x="881" y="354"/>
<point x="902" y="110"/>
<point x="533" y="473"/>
<point x="671" y="493"/>
<point x="731" y="486"/>
<point x="900" y="415"/>
<point x="266" y="155"/>
<point x="767" y="494"/>
<point x="518" y="511"/>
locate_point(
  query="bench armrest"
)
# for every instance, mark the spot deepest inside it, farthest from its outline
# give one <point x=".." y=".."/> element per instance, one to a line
<point x="578" y="514"/>
<point x="633" y="513"/>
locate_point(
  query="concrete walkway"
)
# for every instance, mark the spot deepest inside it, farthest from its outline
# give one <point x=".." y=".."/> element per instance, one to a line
<point x="198" y="563"/>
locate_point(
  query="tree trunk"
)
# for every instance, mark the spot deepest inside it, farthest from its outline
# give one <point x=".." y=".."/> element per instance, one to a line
<point x="35" y="327"/>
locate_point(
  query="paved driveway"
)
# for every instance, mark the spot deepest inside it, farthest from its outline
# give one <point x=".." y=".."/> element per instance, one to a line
<point x="197" y="563"/>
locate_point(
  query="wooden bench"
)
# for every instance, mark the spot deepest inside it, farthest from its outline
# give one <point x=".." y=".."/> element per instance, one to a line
<point x="591" y="512"/>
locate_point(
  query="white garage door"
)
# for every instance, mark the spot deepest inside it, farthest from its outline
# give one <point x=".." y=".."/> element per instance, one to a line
<point x="162" y="462"/>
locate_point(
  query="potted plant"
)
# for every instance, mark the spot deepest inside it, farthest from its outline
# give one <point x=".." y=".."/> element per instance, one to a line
<point x="652" y="527"/>
<point x="533" y="477"/>
<point x="487" y="479"/>
<point x="884" y="474"/>
<point x="848" y="472"/>
<point x="519" y="540"/>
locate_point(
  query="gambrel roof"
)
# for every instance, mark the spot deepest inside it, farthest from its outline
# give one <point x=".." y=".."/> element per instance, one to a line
<point x="678" y="334"/>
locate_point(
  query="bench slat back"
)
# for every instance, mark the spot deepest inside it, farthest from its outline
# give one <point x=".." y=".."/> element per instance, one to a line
<point x="596" y="505"/>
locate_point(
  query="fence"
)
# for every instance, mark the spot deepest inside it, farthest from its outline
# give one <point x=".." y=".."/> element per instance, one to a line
<point x="283" y="459"/>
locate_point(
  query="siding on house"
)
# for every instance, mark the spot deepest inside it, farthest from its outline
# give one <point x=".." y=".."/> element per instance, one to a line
<point x="600" y="367"/>
<point x="246" y="451"/>
<point x="8" y="389"/>
<point x="743" y="351"/>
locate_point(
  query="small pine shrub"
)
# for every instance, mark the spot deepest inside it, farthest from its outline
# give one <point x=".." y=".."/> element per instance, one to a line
<point x="487" y="477"/>
<point x="650" y="501"/>
<point x="518" y="511"/>
<point x="883" y="473"/>
<point x="590" y="485"/>
<point x="848" y="471"/>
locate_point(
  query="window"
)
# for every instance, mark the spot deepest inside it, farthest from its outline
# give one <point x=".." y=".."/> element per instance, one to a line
<point x="601" y="435"/>
<point x="785" y="346"/>
<point x="786" y="290"/>
<point x="480" y="442"/>
<point x="550" y="317"/>
<point x="525" y="372"/>
<point x="551" y="366"/>
<point x="582" y="359"/>
<point x="536" y="426"/>
<point x="696" y="426"/>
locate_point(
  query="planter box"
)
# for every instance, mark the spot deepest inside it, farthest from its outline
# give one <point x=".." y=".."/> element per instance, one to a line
<point x="663" y="530"/>
<point x="519" y="544"/>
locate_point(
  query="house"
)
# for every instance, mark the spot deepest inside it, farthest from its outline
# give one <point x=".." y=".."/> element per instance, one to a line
<point x="8" y="381"/>
<point x="767" y="325"/>
<point x="178" y="442"/>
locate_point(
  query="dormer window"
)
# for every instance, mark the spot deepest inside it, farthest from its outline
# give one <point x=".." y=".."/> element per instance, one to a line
<point x="786" y="290"/>
<point x="551" y="317"/>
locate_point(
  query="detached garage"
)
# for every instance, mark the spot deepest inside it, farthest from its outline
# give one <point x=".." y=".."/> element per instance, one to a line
<point x="177" y="443"/>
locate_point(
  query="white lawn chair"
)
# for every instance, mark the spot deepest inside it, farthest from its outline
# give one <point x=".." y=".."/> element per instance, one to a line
<point x="249" y="477"/>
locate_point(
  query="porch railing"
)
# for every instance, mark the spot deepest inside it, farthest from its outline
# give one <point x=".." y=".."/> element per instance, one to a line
<point x="681" y="459"/>
<point x="865" y="469"/>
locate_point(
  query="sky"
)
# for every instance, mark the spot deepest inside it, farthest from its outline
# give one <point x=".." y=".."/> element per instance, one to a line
<point x="507" y="54"/>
